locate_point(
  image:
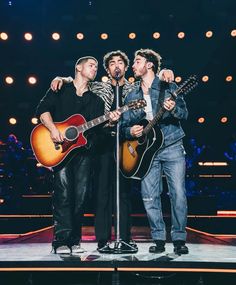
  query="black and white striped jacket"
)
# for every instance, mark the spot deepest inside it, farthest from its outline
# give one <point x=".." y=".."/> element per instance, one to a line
<point x="104" y="90"/>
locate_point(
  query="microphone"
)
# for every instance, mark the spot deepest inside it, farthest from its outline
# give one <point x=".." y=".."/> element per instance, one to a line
<point x="117" y="75"/>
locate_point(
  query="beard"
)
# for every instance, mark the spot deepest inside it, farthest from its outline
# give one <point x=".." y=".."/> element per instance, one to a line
<point x="137" y="76"/>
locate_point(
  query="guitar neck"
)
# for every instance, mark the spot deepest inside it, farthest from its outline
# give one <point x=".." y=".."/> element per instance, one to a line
<point x="95" y="122"/>
<point x="186" y="87"/>
<point x="151" y="124"/>
<point x="160" y="113"/>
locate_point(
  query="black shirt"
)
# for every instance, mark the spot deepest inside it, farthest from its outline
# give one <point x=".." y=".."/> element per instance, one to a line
<point x="66" y="102"/>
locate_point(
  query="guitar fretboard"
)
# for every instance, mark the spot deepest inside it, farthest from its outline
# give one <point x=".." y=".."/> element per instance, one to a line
<point x="186" y="87"/>
<point x="95" y="122"/>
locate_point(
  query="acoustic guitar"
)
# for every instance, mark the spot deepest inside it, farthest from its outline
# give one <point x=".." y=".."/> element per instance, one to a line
<point x="51" y="154"/>
<point x="136" y="156"/>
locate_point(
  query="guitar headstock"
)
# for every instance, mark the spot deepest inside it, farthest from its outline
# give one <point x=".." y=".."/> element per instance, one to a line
<point x="188" y="85"/>
<point x="137" y="104"/>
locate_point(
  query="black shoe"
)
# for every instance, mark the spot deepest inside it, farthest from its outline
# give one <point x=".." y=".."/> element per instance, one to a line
<point x="61" y="249"/>
<point x="180" y="247"/>
<point x="129" y="247"/>
<point x="104" y="248"/>
<point x="159" y="246"/>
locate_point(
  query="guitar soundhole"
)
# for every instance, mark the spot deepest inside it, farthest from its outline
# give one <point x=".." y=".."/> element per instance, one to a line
<point x="71" y="133"/>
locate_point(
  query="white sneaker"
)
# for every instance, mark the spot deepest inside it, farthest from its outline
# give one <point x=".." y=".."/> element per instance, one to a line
<point x="64" y="249"/>
<point x="77" y="249"/>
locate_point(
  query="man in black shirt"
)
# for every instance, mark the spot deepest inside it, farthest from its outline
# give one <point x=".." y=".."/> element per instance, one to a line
<point x="72" y="179"/>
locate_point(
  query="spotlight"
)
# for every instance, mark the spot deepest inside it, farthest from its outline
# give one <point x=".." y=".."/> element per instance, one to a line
<point x="80" y="36"/>
<point x="233" y="33"/>
<point x="178" y="79"/>
<point x="181" y="35"/>
<point x="229" y="78"/>
<point x="131" y="79"/>
<point x="56" y="36"/>
<point x="132" y="36"/>
<point x="32" y="80"/>
<point x="2" y="201"/>
<point x="12" y="121"/>
<point x="156" y="35"/>
<point x="205" y="78"/>
<point x="9" y="80"/>
<point x="28" y="36"/>
<point x="34" y="121"/>
<point x="201" y="120"/>
<point x="105" y="79"/>
<point x="3" y="36"/>
<point x="224" y="120"/>
<point x="209" y="34"/>
<point x="104" y="36"/>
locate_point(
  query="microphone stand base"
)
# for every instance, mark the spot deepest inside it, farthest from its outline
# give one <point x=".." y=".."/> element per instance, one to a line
<point x="122" y="247"/>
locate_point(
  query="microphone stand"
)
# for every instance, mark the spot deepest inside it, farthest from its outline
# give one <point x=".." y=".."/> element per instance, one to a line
<point x="120" y="245"/>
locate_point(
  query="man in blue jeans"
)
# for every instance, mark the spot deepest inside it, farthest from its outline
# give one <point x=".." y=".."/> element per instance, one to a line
<point x="169" y="159"/>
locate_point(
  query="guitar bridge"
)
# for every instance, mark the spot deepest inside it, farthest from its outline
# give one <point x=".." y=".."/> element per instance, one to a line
<point x="131" y="149"/>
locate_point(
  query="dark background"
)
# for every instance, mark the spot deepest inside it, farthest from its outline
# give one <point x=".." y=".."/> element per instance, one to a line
<point x="45" y="58"/>
<point x="195" y="54"/>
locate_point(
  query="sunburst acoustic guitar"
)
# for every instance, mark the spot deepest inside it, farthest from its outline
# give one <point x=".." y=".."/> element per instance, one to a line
<point x="51" y="154"/>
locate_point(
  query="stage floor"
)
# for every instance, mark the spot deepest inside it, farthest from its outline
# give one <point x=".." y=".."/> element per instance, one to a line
<point x="32" y="252"/>
<point x="38" y="256"/>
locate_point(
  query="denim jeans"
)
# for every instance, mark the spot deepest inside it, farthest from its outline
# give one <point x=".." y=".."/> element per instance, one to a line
<point x="171" y="162"/>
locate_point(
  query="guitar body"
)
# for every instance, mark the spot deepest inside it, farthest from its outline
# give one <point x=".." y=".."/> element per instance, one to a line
<point x="136" y="156"/>
<point x="50" y="154"/>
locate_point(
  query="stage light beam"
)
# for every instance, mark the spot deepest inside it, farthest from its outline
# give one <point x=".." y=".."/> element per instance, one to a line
<point x="104" y="36"/>
<point x="3" y="36"/>
<point x="34" y="121"/>
<point x="131" y="79"/>
<point x="12" y="121"/>
<point x="132" y="36"/>
<point x="224" y="120"/>
<point x="228" y="78"/>
<point x="56" y="36"/>
<point x="80" y="36"/>
<point x="209" y="34"/>
<point x="28" y="36"/>
<point x="32" y="80"/>
<point x="205" y="78"/>
<point x="9" y="80"/>
<point x="178" y="79"/>
<point x="181" y="35"/>
<point x="156" y="35"/>
<point x="201" y="120"/>
<point x="233" y="33"/>
<point x="105" y="78"/>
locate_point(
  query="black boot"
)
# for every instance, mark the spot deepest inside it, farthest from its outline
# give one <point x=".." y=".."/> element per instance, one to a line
<point x="159" y="246"/>
<point x="180" y="247"/>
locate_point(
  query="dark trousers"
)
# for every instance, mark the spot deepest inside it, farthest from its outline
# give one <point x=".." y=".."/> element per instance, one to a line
<point x="71" y="185"/>
<point x="105" y="189"/>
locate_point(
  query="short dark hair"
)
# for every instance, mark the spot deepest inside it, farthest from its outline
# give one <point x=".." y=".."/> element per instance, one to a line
<point x="84" y="59"/>
<point x="108" y="56"/>
<point x="151" y="56"/>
